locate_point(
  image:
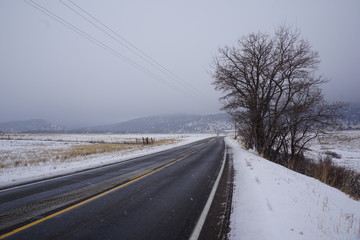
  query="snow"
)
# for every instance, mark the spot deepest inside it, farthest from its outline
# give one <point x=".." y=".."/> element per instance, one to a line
<point x="269" y="201"/>
<point x="40" y="144"/>
<point x="80" y="138"/>
<point x="273" y="202"/>
<point x="344" y="143"/>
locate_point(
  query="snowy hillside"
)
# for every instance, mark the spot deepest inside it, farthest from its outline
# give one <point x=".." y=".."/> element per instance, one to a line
<point x="351" y="116"/>
<point x="182" y="123"/>
<point x="273" y="202"/>
<point x="34" y="125"/>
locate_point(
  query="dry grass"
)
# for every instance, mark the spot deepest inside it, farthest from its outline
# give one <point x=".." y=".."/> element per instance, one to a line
<point x="325" y="170"/>
<point x="86" y="150"/>
<point x="339" y="177"/>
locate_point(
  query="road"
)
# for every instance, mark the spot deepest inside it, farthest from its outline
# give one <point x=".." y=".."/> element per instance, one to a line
<point x="159" y="196"/>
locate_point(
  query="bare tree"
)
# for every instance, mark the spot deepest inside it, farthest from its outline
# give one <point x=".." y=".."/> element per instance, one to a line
<point x="270" y="88"/>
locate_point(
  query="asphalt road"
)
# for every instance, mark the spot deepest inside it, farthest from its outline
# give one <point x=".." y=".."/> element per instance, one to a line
<point x="159" y="196"/>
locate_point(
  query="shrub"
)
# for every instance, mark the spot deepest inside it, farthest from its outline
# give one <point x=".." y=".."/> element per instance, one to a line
<point x="325" y="170"/>
<point x="339" y="177"/>
<point x="332" y="154"/>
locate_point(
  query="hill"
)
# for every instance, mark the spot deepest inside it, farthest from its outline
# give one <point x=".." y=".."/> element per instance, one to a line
<point x="351" y="116"/>
<point x="212" y="123"/>
<point x="34" y="125"/>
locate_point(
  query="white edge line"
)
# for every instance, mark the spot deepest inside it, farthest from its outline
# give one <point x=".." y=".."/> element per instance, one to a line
<point x="196" y="232"/>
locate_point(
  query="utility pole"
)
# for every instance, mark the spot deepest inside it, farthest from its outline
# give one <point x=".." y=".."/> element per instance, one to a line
<point x="235" y="128"/>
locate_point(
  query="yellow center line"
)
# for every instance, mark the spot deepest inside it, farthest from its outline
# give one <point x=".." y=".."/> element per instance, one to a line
<point x="98" y="196"/>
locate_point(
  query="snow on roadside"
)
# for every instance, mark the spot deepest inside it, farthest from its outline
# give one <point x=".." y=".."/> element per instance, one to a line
<point x="273" y="202"/>
<point x="23" y="174"/>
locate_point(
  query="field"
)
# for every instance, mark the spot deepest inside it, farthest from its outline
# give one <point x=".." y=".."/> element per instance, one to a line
<point x="35" y="149"/>
<point x="27" y="157"/>
<point x="342" y="146"/>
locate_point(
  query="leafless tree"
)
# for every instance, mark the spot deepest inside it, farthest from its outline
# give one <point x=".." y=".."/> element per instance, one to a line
<point x="270" y="88"/>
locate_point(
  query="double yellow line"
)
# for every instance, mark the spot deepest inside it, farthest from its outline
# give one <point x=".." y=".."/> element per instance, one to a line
<point x="99" y="195"/>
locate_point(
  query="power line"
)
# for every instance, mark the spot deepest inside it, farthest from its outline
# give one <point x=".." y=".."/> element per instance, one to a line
<point x="100" y="44"/>
<point x="138" y="51"/>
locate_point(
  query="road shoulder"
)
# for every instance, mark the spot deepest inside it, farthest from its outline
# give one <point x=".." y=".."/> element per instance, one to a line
<point x="217" y="223"/>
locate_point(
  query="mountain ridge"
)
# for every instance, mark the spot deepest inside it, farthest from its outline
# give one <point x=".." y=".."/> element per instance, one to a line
<point x="176" y="123"/>
<point x="179" y="123"/>
<point x="32" y="125"/>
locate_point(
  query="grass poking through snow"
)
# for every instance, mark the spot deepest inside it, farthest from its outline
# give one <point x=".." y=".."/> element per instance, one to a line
<point x="43" y="155"/>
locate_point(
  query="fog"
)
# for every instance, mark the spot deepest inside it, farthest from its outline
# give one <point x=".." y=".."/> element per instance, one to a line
<point x="76" y="74"/>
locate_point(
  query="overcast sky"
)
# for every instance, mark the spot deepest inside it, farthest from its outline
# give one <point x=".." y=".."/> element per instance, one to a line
<point x="51" y="72"/>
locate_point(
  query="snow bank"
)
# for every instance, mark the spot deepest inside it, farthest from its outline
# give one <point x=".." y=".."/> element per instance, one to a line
<point x="273" y="202"/>
<point x="23" y="174"/>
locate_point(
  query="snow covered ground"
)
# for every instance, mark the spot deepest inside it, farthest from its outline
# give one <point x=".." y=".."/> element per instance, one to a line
<point x="81" y="138"/>
<point x="346" y="144"/>
<point x="269" y="201"/>
<point x="43" y="146"/>
<point x="273" y="202"/>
